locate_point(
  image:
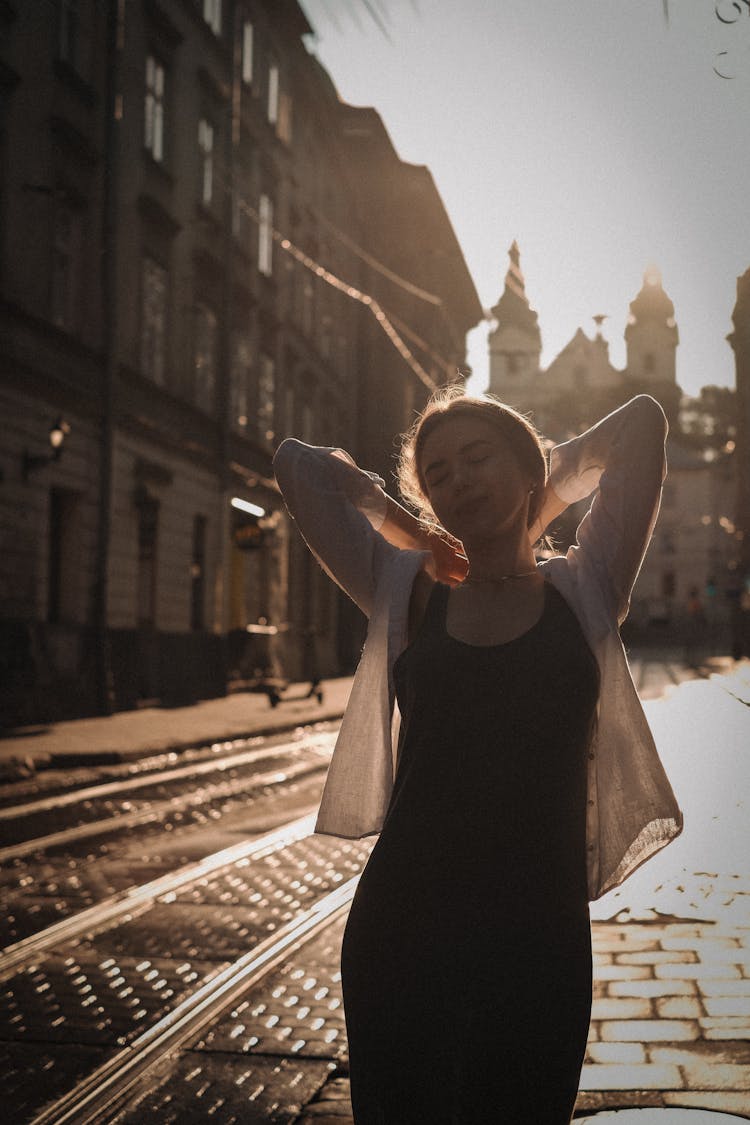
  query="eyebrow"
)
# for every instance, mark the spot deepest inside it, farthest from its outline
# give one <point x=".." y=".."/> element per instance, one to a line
<point x="464" y="449"/>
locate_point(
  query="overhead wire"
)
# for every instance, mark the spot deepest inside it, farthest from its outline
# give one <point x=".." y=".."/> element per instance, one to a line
<point x="382" y="318"/>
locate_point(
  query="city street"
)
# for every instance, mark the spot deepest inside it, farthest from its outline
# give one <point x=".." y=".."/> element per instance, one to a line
<point x="172" y="929"/>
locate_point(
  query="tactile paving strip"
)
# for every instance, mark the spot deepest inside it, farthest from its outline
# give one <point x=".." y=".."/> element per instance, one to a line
<point x="234" y="1091"/>
<point x="190" y="931"/>
<point x="296" y="1011"/>
<point x="37" y="895"/>
<point x="225" y="915"/>
<point x="93" y="1000"/>
<point x="35" y="1075"/>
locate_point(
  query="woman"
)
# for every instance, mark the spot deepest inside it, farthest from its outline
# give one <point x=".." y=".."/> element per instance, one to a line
<point x="495" y="741"/>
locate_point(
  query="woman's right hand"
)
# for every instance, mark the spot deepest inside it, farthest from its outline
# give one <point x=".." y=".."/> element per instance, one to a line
<point x="449" y="564"/>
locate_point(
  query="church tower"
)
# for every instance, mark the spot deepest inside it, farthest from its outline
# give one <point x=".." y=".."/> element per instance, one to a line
<point x="651" y="340"/>
<point x="515" y="344"/>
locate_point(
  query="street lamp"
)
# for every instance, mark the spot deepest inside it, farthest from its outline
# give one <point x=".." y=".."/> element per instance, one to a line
<point x="58" y="431"/>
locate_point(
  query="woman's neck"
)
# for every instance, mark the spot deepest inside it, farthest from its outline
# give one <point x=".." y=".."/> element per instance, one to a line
<point x="498" y="558"/>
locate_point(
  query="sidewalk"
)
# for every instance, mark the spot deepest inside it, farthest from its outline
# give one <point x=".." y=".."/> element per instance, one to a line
<point x="136" y="734"/>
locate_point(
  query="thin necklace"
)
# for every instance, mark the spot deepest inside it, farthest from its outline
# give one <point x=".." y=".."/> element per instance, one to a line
<point x="468" y="581"/>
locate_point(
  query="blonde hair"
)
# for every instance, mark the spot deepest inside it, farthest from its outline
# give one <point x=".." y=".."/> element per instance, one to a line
<point x="451" y="402"/>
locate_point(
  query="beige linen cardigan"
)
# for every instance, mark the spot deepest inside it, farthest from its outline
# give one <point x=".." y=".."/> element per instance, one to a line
<point x="632" y="811"/>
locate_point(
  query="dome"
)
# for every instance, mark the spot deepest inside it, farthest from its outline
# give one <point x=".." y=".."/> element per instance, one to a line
<point x="652" y="303"/>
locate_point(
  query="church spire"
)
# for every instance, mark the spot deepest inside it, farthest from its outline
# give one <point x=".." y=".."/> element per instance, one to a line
<point x="514" y="277"/>
<point x="515" y="343"/>
<point x="513" y="308"/>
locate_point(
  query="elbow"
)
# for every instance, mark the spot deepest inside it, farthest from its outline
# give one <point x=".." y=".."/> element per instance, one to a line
<point x="651" y="416"/>
<point x="285" y="451"/>
<point x="283" y="460"/>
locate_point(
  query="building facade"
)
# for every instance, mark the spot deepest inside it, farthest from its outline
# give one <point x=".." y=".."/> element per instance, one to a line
<point x="739" y="341"/>
<point x="189" y="272"/>
<point x="695" y="546"/>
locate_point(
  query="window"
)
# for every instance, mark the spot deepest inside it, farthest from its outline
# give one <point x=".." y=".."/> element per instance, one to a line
<point x="513" y="364"/>
<point x="284" y="124"/>
<point x="247" y="52"/>
<point x="153" y="320"/>
<point x="66" y="265"/>
<point x="289" y="427"/>
<point x="206" y="146"/>
<point x="206" y="356"/>
<point x="212" y="15"/>
<point x="272" y="107"/>
<point x="153" y="133"/>
<point x="649" y="364"/>
<point x="266" y="396"/>
<point x="198" y="574"/>
<point x="308" y="427"/>
<point x="668" y="541"/>
<point x="308" y="303"/>
<point x="148" y="527"/>
<point x="668" y="584"/>
<point x="241" y="226"/>
<point x="64" y="562"/>
<point x="265" y="236"/>
<point x="241" y="367"/>
<point x="325" y="334"/>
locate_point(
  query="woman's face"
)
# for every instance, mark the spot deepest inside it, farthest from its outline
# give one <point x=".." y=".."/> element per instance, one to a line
<point x="474" y="483"/>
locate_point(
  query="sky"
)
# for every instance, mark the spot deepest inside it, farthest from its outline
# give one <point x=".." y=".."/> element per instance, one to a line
<point x="594" y="132"/>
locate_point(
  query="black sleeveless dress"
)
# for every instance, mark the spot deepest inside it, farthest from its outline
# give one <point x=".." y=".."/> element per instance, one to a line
<point x="466" y="961"/>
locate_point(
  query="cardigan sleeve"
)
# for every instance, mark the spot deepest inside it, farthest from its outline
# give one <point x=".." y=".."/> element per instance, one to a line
<point x="622" y="460"/>
<point x="338" y="509"/>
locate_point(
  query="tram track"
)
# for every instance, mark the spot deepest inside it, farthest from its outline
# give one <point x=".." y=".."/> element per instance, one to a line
<point x="131" y="901"/>
<point x="84" y="783"/>
<point x="155" y="777"/>
<point x="293" y="882"/>
<point x="315" y="753"/>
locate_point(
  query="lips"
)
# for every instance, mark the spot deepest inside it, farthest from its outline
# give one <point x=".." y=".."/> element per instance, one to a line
<point x="471" y="507"/>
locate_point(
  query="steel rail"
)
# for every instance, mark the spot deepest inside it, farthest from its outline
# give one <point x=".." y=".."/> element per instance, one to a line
<point x="134" y="900"/>
<point x="157" y="810"/>
<point x="197" y="769"/>
<point x="108" y="1087"/>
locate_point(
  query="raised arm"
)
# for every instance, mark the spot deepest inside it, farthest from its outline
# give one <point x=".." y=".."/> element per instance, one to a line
<point x="338" y="509"/>
<point x="622" y="460"/>
<point x="350" y="524"/>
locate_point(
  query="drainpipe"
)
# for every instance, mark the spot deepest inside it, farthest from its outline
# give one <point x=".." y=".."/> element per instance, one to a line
<point x="223" y="398"/>
<point x="113" y="116"/>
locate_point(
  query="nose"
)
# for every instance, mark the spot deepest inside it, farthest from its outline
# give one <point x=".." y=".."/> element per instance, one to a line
<point x="461" y="477"/>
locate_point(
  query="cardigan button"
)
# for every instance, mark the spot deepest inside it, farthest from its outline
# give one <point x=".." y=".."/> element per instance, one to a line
<point x="591" y="800"/>
<point x="591" y="847"/>
<point x="592" y="755"/>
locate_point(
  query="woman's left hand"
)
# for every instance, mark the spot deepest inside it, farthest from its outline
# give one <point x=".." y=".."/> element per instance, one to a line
<point x="550" y="507"/>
